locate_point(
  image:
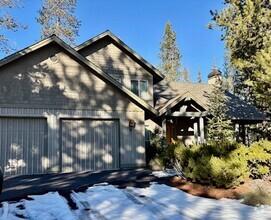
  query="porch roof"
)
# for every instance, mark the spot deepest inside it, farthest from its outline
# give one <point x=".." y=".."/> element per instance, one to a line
<point x="167" y="95"/>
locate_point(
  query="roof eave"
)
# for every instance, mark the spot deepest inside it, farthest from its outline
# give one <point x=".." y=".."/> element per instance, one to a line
<point x="26" y="50"/>
<point x="177" y="99"/>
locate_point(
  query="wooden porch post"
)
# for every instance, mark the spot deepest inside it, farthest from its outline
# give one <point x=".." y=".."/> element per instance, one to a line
<point x="196" y="133"/>
<point x="237" y="132"/>
<point x="243" y="134"/>
<point x="201" y="129"/>
<point x="164" y="131"/>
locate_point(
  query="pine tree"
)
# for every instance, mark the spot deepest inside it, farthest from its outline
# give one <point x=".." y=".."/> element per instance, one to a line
<point x="7" y="22"/>
<point x="228" y="75"/>
<point x="219" y="126"/>
<point x="170" y="55"/>
<point x="57" y="17"/>
<point x="247" y="33"/>
<point x="199" y="76"/>
<point x="185" y="77"/>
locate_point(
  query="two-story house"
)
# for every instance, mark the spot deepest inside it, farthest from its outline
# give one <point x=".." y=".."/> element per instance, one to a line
<point x="66" y="109"/>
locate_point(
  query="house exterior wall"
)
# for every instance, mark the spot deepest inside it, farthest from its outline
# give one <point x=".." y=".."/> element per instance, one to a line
<point x="118" y="65"/>
<point x="38" y="85"/>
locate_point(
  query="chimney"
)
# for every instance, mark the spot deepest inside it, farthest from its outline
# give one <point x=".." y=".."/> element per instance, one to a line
<point x="214" y="76"/>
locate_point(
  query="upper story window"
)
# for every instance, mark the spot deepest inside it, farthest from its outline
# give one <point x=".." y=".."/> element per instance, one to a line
<point x="140" y="88"/>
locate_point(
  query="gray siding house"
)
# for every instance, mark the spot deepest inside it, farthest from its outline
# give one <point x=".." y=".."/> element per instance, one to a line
<point x="66" y="109"/>
<point x="183" y="111"/>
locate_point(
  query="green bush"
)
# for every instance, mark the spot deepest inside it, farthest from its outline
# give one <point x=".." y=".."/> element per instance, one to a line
<point x="263" y="170"/>
<point x="259" y="159"/>
<point x="167" y="155"/>
<point x="156" y="146"/>
<point x="223" y="166"/>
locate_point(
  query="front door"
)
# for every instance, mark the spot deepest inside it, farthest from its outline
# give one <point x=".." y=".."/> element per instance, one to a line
<point x="171" y="133"/>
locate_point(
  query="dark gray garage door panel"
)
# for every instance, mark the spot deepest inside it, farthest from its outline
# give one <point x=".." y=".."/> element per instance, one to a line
<point x="22" y="145"/>
<point x="89" y="144"/>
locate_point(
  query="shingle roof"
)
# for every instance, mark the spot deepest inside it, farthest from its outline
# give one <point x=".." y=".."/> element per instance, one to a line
<point x="165" y="94"/>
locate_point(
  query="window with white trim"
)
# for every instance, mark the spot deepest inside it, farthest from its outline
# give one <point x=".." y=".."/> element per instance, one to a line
<point x="140" y="88"/>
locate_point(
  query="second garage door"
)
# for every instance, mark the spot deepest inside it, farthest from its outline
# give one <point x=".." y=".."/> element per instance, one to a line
<point x="89" y="144"/>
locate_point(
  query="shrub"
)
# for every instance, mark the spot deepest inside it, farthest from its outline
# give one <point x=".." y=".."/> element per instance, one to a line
<point x="156" y="145"/>
<point x="167" y="155"/>
<point x="223" y="166"/>
<point x="256" y="198"/>
<point x="259" y="159"/>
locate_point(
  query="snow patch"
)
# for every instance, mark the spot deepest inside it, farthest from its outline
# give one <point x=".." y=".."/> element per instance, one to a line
<point x="105" y="201"/>
<point x="164" y="173"/>
<point x="194" y="207"/>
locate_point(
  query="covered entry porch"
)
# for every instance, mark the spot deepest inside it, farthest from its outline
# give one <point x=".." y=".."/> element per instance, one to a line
<point x="186" y="129"/>
<point x="184" y="120"/>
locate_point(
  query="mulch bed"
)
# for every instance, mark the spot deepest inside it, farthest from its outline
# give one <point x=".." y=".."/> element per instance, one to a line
<point x="209" y="191"/>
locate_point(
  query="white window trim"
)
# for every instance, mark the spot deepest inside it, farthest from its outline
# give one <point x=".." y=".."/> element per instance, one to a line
<point x="139" y="89"/>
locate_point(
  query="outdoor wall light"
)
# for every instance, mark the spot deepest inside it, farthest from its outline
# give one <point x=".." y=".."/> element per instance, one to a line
<point x="132" y="123"/>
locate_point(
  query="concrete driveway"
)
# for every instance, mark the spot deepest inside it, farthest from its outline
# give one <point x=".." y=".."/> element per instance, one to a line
<point x="18" y="187"/>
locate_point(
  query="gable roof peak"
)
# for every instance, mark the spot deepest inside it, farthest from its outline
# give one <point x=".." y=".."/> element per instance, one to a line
<point x="157" y="75"/>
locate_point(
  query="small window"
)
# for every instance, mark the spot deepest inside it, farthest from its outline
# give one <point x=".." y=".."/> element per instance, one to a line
<point x="134" y="87"/>
<point x="143" y="89"/>
<point x="140" y="88"/>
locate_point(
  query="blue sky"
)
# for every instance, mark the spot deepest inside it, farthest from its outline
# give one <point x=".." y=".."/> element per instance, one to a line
<point x="140" y="24"/>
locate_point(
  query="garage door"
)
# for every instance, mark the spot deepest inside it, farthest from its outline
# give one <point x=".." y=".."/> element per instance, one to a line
<point x="22" y="145"/>
<point x="89" y="145"/>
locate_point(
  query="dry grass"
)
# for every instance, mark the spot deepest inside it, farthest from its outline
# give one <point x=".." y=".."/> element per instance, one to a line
<point x="256" y="198"/>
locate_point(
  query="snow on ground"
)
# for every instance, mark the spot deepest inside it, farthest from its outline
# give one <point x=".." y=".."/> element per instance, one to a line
<point x="48" y="206"/>
<point x="164" y="173"/>
<point x="194" y="207"/>
<point x="108" y="202"/>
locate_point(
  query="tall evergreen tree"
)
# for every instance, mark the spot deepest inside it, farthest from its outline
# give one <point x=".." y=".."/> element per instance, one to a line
<point x="7" y="22"/>
<point x="219" y="126"/>
<point x="170" y="55"/>
<point x="228" y="75"/>
<point x="185" y="77"/>
<point x="58" y="17"/>
<point x="199" y="76"/>
<point x="247" y="33"/>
